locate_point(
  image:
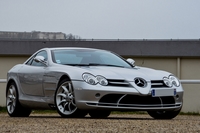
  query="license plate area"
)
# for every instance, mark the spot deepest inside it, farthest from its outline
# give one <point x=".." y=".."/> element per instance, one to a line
<point x="163" y="92"/>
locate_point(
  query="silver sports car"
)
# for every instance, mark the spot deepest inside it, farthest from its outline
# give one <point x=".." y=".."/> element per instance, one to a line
<point x="78" y="81"/>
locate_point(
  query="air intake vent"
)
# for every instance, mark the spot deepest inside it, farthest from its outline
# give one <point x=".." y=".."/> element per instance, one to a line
<point x="121" y="83"/>
<point x="157" y="84"/>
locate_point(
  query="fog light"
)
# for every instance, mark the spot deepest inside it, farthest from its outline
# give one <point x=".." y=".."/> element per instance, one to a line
<point x="177" y="97"/>
<point x="97" y="95"/>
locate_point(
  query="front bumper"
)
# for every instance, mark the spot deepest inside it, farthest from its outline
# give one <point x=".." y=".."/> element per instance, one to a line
<point x="90" y="97"/>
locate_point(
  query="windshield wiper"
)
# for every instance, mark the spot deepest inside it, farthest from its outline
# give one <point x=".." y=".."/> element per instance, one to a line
<point x="94" y="64"/>
<point x="77" y="64"/>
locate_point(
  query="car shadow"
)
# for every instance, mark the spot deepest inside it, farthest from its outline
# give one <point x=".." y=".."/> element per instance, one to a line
<point x="88" y="117"/>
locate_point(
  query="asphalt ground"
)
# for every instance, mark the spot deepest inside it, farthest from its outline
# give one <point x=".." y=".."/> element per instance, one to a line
<point x="115" y="123"/>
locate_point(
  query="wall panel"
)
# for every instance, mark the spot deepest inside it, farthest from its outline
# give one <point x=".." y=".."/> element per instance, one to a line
<point x="189" y="69"/>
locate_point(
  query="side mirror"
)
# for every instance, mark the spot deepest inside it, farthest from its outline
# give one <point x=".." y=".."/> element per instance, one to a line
<point x="40" y="59"/>
<point x="131" y="61"/>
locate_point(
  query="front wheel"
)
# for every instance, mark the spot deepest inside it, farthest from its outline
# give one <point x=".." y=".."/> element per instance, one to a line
<point x="65" y="101"/>
<point x="164" y="114"/>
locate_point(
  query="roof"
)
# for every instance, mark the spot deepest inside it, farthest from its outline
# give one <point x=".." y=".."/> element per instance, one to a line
<point x="153" y="48"/>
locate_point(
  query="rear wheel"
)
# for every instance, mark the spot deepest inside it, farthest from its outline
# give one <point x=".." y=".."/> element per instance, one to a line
<point x="99" y="113"/>
<point x="164" y="114"/>
<point x="65" y="100"/>
<point x="14" y="108"/>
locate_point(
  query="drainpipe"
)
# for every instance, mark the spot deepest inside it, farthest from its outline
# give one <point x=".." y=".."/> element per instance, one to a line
<point x="178" y="68"/>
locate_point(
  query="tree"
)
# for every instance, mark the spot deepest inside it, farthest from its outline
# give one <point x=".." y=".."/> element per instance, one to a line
<point x="72" y="37"/>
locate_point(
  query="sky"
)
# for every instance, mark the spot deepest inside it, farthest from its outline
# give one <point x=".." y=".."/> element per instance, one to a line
<point x="104" y="19"/>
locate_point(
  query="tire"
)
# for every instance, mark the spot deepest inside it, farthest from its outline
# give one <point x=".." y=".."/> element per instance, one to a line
<point x="65" y="101"/>
<point x="99" y="113"/>
<point x="14" y="108"/>
<point x="164" y="114"/>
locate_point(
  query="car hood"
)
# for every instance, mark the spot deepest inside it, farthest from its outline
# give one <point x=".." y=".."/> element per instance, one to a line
<point x="129" y="74"/>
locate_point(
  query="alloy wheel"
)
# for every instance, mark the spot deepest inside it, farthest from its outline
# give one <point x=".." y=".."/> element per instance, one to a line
<point x="65" y="100"/>
<point x="11" y="99"/>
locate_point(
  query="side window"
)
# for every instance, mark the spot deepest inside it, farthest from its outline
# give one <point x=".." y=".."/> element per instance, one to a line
<point x="34" y="63"/>
<point x="30" y="61"/>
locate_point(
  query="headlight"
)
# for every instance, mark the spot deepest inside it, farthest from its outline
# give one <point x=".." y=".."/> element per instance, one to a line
<point x="102" y="81"/>
<point x="171" y="80"/>
<point x="174" y="80"/>
<point x="167" y="82"/>
<point x="89" y="78"/>
<point x="93" y="80"/>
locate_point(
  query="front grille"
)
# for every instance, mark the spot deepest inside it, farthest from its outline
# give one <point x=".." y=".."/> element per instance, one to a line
<point x="131" y="99"/>
<point x="157" y="84"/>
<point x="119" y="83"/>
<point x="111" y="98"/>
<point x="119" y="100"/>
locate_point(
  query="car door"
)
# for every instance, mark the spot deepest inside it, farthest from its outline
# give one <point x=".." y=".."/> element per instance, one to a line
<point x="31" y="76"/>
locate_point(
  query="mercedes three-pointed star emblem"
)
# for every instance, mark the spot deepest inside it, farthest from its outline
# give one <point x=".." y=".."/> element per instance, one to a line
<point x="140" y="82"/>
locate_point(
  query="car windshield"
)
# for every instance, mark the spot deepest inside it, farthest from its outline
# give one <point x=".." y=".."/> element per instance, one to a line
<point x="88" y="57"/>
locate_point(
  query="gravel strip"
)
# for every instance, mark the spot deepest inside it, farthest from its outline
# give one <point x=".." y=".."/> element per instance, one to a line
<point x="126" y="123"/>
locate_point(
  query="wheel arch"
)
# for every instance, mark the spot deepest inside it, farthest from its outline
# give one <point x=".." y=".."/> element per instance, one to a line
<point x="62" y="78"/>
<point x="9" y="82"/>
<point x="14" y="80"/>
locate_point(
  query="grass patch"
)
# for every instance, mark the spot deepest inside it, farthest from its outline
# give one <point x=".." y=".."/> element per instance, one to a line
<point x="190" y="113"/>
<point x="43" y="111"/>
<point x="113" y="112"/>
<point x="4" y="110"/>
<point x="144" y="112"/>
<point x="128" y="112"/>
